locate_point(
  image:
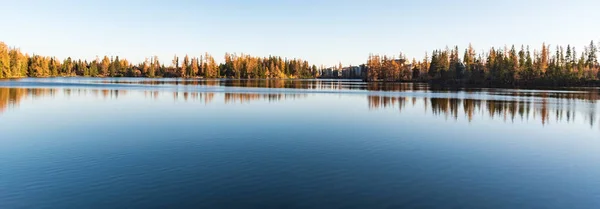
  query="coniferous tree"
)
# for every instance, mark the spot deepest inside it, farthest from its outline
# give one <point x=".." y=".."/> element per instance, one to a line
<point x="513" y="66"/>
<point x="592" y="58"/>
<point x="94" y="68"/>
<point x="569" y="60"/>
<point x="54" y="67"/>
<point x="104" y="66"/>
<point x="112" y="68"/>
<point x="4" y="61"/>
<point x="184" y="67"/>
<point x="544" y="59"/>
<point x="194" y="67"/>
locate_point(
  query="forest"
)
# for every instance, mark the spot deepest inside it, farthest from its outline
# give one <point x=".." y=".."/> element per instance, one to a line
<point x="15" y="64"/>
<point x="503" y="66"/>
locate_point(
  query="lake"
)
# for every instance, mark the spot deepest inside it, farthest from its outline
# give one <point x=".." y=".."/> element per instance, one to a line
<point x="177" y="143"/>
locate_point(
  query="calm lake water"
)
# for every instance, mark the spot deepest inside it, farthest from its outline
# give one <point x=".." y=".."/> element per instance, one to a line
<point x="168" y="143"/>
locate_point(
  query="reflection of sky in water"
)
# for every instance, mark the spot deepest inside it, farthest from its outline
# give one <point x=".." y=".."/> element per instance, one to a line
<point x="70" y="146"/>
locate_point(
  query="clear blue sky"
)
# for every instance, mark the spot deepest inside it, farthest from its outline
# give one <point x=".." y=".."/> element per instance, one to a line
<point x="320" y="31"/>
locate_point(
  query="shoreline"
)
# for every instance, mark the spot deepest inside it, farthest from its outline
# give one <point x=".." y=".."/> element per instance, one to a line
<point x="454" y="84"/>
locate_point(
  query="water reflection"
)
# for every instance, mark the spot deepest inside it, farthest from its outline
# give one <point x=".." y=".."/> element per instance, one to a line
<point x="342" y="84"/>
<point x="12" y="97"/>
<point x="312" y="85"/>
<point x="245" y="98"/>
<point x="207" y="97"/>
<point x="270" y="83"/>
<point x="544" y="106"/>
<point x="315" y="84"/>
<point x="565" y="110"/>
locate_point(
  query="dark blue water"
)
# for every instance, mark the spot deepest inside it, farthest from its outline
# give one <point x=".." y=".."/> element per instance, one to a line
<point x="166" y="143"/>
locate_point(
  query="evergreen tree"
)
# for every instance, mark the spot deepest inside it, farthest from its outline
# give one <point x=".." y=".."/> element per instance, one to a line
<point x="184" y="67"/>
<point x="4" y="61"/>
<point x="529" y="69"/>
<point x="544" y="59"/>
<point x="522" y="62"/>
<point x="94" y="68"/>
<point x="54" y="67"/>
<point x="513" y="65"/>
<point x="116" y="67"/>
<point x="592" y="58"/>
<point x="104" y="66"/>
<point x="581" y="66"/>
<point x="569" y="60"/>
<point x="194" y="68"/>
<point x="112" y="68"/>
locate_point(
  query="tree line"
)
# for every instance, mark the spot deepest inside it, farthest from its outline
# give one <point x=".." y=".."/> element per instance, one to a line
<point x="15" y="64"/>
<point x="508" y="65"/>
<point x="562" y="66"/>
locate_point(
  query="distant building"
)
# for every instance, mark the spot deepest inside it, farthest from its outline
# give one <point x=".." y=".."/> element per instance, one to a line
<point x="350" y="72"/>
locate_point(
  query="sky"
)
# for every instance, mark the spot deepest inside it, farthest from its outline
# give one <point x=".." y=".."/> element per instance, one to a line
<point x="319" y="31"/>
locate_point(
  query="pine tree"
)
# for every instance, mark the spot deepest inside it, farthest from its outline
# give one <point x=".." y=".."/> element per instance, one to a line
<point x="104" y="66"/>
<point x="569" y="60"/>
<point x="15" y="67"/>
<point x="176" y="64"/>
<point x="529" y="69"/>
<point x="184" y="67"/>
<point x="592" y="58"/>
<point x="84" y="68"/>
<point x="115" y="67"/>
<point x="544" y="58"/>
<point x="67" y="67"/>
<point x="513" y="70"/>
<point x="581" y="66"/>
<point x="94" y="68"/>
<point x="151" y="68"/>
<point x="112" y="68"/>
<point x="154" y="67"/>
<point x="491" y="64"/>
<point x="53" y="67"/>
<point x="522" y="62"/>
<point x="435" y="65"/>
<point x="4" y="61"/>
<point x="194" y="68"/>
<point x="469" y="60"/>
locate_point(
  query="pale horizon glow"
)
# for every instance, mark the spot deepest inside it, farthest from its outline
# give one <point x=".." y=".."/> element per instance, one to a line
<point x="321" y="32"/>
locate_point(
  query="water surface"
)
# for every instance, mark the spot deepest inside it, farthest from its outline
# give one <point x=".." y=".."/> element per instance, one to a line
<point x="158" y="143"/>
